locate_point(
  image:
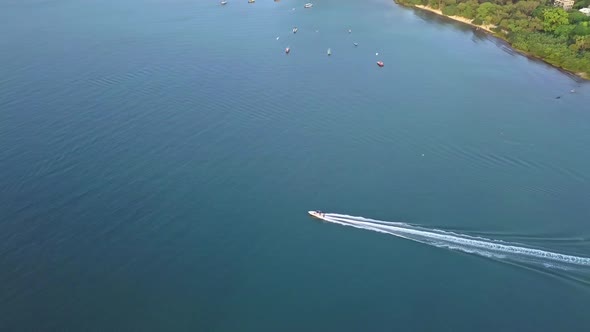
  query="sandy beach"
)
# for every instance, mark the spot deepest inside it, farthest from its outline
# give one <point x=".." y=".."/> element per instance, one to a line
<point x="487" y="28"/>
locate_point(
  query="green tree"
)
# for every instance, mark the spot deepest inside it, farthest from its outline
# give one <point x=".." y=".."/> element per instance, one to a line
<point x="565" y="30"/>
<point x="484" y="11"/>
<point x="553" y="18"/>
<point x="450" y="10"/>
<point x="581" y="44"/>
<point x="526" y="7"/>
<point x="577" y="17"/>
<point x="467" y="9"/>
<point x="582" y="29"/>
<point x="535" y="24"/>
<point x="538" y="12"/>
<point x="581" y="4"/>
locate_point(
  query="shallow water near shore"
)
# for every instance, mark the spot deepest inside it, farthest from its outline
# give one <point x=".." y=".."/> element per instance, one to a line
<point x="158" y="159"/>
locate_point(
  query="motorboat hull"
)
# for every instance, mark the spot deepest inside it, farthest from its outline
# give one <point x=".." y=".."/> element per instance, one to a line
<point x="317" y="215"/>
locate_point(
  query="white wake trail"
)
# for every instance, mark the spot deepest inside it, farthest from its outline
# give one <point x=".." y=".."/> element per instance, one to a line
<point x="454" y="241"/>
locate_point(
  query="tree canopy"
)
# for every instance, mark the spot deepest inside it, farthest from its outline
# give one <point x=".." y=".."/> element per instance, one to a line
<point x="554" y="18"/>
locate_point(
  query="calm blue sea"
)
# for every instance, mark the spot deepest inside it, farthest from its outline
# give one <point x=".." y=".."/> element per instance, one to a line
<point x="158" y="159"/>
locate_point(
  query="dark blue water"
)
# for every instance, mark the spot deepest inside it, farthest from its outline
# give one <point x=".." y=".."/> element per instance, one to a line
<point x="158" y="158"/>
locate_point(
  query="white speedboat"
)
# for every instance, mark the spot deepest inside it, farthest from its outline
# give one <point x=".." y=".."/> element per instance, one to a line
<point x="295" y="30"/>
<point x="329" y="52"/>
<point x="317" y="214"/>
<point x="308" y="5"/>
<point x="224" y="2"/>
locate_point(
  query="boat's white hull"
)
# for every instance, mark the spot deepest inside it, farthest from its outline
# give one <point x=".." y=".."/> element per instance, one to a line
<point x="316" y="214"/>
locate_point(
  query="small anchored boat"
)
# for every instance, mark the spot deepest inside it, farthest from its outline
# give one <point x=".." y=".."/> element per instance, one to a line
<point x="287" y="50"/>
<point x="380" y="63"/>
<point x="308" y="5"/>
<point x="251" y="1"/>
<point x="295" y="30"/>
<point x="224" y="3"/>
<point x="356" y="44"/>
<point x="329" y="51"/>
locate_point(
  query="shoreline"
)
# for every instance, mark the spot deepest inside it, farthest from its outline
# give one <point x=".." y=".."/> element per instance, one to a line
<point x="488" y="29"/>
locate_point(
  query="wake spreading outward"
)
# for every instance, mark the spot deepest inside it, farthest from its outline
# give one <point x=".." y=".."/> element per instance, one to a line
<point x="499" y="250"/>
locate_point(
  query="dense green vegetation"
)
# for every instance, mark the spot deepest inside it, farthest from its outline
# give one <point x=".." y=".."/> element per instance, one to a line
<point x="533" y="26"/>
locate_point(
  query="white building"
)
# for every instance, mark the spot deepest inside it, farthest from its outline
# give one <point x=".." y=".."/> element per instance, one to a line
<point x="565" y="4"/>
<point x="585" y="11"/>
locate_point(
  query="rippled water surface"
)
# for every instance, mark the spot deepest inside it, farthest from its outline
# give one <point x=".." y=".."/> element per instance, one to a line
<point x="158" y="158"/>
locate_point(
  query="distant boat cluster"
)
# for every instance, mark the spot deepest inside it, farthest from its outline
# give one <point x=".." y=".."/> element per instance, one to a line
<point x="295" y="29"/>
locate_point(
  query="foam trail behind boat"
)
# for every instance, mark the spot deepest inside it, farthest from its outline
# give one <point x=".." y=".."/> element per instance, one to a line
<point x="482" y="246"/>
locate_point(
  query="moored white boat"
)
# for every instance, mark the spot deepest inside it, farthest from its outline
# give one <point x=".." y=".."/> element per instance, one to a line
<point x="308" y="5"/>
